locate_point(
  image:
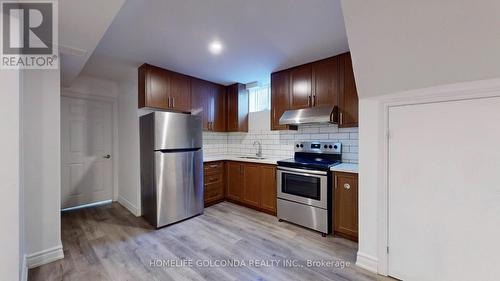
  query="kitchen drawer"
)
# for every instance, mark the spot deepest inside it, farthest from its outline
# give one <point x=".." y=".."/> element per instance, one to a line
<point x="214" y="191"/>
<point x="213" y="178"/>
<point x="213" y="167"/>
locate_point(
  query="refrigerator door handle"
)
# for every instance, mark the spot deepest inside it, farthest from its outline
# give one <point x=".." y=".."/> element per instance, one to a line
<point x="178" y="150"/>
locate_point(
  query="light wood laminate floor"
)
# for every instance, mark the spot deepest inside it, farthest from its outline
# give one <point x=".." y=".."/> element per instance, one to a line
<point x="109" y="243"/>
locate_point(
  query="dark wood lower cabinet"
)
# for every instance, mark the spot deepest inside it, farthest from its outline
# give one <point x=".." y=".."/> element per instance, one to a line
<point x="345" y="205"/>
<point x="249" y="184"/>
<point x="214" y="182"/>
<point x="234" y="185"/>
<point x="254" y="185"/>
<point x="268" y="188"/>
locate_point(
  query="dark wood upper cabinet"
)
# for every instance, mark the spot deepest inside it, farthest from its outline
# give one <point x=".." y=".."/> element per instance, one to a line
<point x="152" y="87"/>
<point x="280" y="98"/>
<point x="237" y="108"/>
<point x="199" y="97"/>
<point x="326" y="81"/>
<point x="300" y="87"/>
<point x="179" y="91"/>
<point x="219" y="107"/>
<point x="348" y="100"/>
<point x="345" y="196"/>
<point x="209" y="102"/>
<point x="163" y="89"/>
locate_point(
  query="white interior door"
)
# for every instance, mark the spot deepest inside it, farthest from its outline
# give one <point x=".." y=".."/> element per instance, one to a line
<point x="444" y="191"/>
<point x="86" y="141"/>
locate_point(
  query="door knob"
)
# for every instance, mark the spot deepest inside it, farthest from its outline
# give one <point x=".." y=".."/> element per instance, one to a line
<point x="107" y="156"/>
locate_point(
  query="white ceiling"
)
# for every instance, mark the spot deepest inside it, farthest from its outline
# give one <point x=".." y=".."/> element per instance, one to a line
<point x="81" y="26"/>
<point x="259" y="37"/>
<point x="403" y="45"/>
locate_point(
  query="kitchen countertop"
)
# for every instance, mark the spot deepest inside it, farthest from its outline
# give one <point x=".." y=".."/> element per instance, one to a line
<point x="232" y="157"/>
<point x="345" y="167"/>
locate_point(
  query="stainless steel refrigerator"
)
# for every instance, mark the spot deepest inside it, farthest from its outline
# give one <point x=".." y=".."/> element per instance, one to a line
<point x="171" y="167"/>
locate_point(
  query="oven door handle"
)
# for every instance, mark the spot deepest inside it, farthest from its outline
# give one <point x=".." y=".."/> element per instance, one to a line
<point x="304" y="172"/>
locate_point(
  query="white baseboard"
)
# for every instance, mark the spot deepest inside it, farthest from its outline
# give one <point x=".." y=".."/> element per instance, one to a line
<point x="129" y="206"/>
<point x="367" y="262"/>
<point x="45" y="256"/>
<point x="24" y="269"/>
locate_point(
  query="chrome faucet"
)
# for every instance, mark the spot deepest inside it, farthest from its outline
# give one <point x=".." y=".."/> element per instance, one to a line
<point x="259" y="149"/>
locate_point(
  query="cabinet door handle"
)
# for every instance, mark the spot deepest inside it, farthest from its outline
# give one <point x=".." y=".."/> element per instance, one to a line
<point x="336" y="183"/>
<point x="309" y="101"/>
<point x="173" y="102"/>
<point x="168" y="101"/>
<point x="314" y="100"/>
<point x="341" y="118"/>
<point x="347" y="186"/>
<point x="214" y="166"/>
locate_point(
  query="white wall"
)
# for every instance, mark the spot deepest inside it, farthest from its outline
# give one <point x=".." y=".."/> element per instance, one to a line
<point x="402" y="45"/>
<point x="11" y="253"/>
<point x="42" y="164"/>
<point x="370" y="132"/>
<point x="129" y="194"/>
<point x="92" y="87"/>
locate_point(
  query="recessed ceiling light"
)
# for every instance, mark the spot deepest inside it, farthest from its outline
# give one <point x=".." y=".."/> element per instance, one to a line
<point x="215" y="47"/>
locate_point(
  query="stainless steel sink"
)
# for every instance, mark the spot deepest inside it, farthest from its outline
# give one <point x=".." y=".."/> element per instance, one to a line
<point x="252" y="157"/>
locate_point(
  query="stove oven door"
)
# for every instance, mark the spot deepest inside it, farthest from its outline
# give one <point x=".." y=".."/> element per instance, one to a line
<point x="303" y="186"/>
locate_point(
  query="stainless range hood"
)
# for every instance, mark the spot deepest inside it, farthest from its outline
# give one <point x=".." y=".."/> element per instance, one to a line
<point x="312" y="115"/>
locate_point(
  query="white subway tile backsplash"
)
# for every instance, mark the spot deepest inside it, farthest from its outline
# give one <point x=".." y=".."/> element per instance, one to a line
<point x="348" y="130"/>
<point x="281" y="143"/>
<point x="320" y="137"/>
<point x="340" y="136"/>
<point x="328" y="129"/>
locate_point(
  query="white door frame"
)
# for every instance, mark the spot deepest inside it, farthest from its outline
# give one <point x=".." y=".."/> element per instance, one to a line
<point x="114" y="117"/>
<point x="452" y="92"/>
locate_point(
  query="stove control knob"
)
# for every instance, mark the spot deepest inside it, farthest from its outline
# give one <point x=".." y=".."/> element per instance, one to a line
<point x="301" y="146"/>
<point x="325" y="147"/>
<point x="297" y="146"/>
<point x="334" y="147"/>
<point x="330" y="146"/>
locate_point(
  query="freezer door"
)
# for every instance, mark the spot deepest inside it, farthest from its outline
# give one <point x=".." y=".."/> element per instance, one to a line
<point x="177" y="131"/>
<point x="179" y="185"/>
